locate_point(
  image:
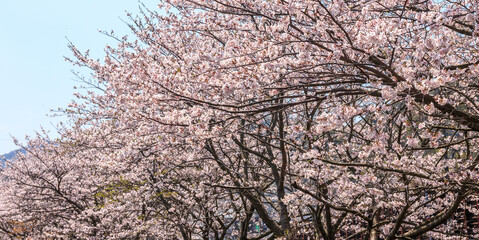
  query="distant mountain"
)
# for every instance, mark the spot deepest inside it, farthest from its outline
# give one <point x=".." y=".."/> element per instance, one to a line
<point x="8" y="156"/>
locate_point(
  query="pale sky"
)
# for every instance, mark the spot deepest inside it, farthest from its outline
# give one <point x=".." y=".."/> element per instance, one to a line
<point x="34" y="77"/>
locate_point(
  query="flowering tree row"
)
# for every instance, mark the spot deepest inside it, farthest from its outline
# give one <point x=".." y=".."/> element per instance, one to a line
<point x="266" y="119"/>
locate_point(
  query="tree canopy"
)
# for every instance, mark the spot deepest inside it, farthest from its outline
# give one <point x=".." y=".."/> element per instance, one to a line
<point x="265" y="119"/>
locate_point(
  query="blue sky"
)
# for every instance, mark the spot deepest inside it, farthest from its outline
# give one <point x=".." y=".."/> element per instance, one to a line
<point x="34" y="77"/>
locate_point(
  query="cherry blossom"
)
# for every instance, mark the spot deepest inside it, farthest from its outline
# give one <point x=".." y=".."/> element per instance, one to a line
<point x="262" y="120"/>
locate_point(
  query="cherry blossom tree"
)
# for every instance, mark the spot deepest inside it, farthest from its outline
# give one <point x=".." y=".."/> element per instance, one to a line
<point x="267" y="119"/>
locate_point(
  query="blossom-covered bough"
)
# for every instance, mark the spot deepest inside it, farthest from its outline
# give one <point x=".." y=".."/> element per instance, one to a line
<point x="266" y="119"/>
